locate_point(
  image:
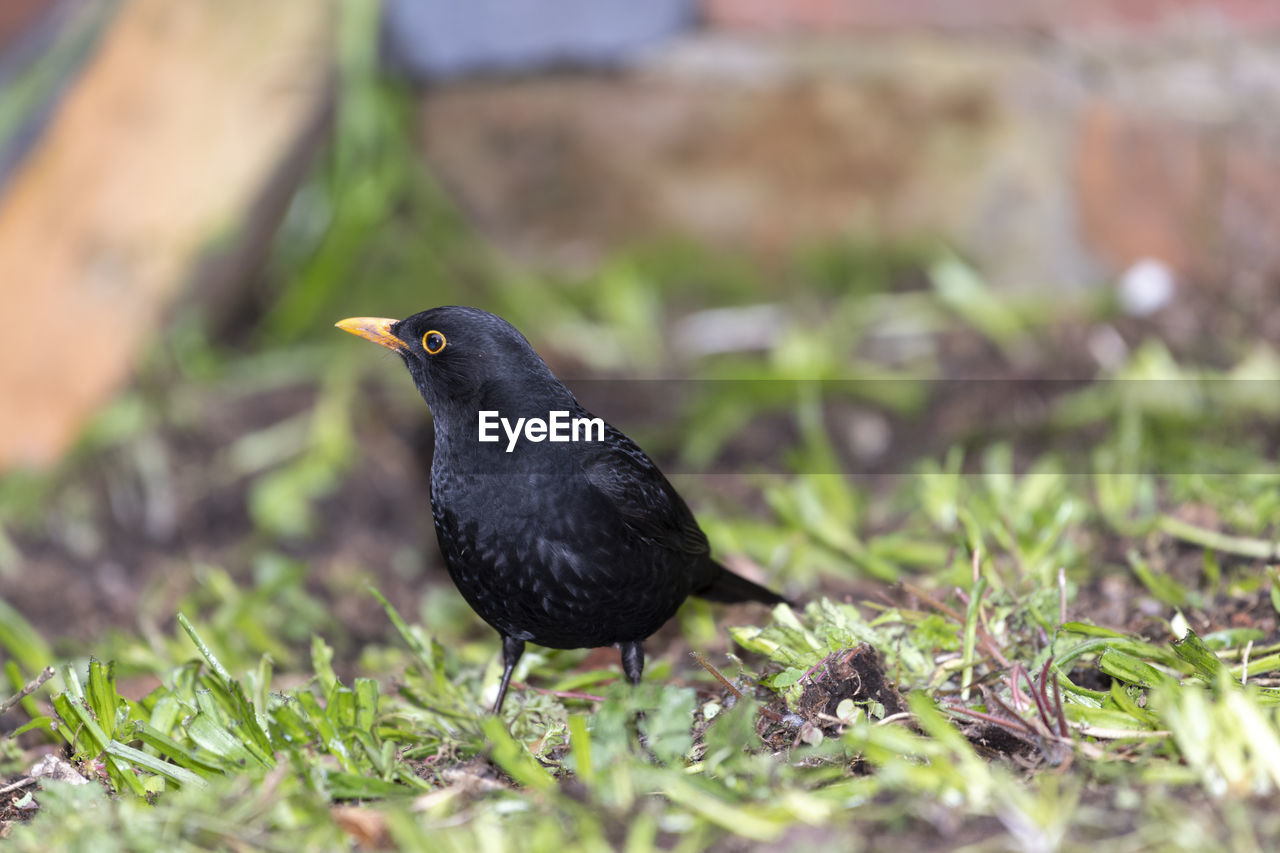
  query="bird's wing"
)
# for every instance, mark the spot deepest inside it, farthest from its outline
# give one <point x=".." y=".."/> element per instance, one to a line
<point x="626" y="478"/>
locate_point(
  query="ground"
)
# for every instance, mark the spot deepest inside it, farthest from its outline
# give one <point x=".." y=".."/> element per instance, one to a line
<point x="261" y="489"/>
<point x="1034" y="540"/>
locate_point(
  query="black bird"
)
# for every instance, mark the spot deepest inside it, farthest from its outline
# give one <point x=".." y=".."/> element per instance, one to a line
<point x="567" y="544"/>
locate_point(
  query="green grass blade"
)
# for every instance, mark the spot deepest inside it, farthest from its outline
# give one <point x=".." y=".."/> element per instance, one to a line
<point x="366" y="703"/>
<point x="1193" y="650"/>
<point x="326" y="731"/>
<point x="512" y="757"/>
<point x="209" y="734"/>
<point x="580" y="744"/>
<point x="174" y="751"/>
<point x="22" y="641"/>
<point x="971" y="635"/>
<point x="204" y="650"/>
<point x="322" y="663"/>
<point x="1128" y="668"/>
<point x="138" y="758"/>
<point x="94" y="741"/>
<point x="353" y="786"/>
<point x="101" y="695"/>
<point x="419" y="649"/>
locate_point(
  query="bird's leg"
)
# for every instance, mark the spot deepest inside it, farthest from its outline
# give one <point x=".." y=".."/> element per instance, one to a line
<point x="633" y="665"/>
<point x="632" y="660"/>
<point x="512" y="649"/>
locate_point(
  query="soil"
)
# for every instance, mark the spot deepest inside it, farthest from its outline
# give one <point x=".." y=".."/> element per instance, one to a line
<point x="112" y="547"/>
<point x="111" y="553"/>
<point x="89" y="564"/>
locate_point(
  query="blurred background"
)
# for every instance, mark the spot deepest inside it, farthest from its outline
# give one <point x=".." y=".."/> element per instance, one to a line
<point x="815" y="256"/>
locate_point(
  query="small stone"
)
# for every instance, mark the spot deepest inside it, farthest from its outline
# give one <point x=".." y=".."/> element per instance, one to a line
<point x="1146" y="287"/>
<point x="53" y="767"/>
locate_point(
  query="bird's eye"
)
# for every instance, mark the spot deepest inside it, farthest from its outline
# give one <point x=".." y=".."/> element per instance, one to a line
<point x="433" y="342"/>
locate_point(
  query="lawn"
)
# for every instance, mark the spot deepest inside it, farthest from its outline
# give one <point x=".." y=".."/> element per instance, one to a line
<point x="1034" y="541"/>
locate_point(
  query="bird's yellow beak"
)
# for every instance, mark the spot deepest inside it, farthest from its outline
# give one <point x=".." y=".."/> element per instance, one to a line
<point x="376" y="329"/>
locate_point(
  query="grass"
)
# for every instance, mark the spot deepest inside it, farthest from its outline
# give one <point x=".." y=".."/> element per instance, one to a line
<point x="975" y="701"/>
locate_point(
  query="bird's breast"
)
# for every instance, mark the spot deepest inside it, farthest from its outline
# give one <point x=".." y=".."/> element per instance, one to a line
<point x="540" y="558"/>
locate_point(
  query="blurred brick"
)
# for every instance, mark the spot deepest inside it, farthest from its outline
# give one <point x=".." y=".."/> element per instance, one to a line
<point x="1045" y="168"/>
<point x="17" y="15"/>
<point x="566" y="166"/>
<point x="1143" y="187"/>
<point x="1251" y="203"/>
<point x="1246" y="15"/>
<point x="765" y="149"/>
<point x="988" y="15"/>
<point x="819" y="15"/>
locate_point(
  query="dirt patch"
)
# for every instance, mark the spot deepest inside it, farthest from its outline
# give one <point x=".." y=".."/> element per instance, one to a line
<point x="856" y="675"/>
<point x="124" y="540"/>
<point x="128" y="528"/>
<point x="843" y="683"/>
<point x="15" y="806"/>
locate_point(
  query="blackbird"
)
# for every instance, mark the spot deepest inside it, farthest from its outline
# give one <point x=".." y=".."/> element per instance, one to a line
<point x="564" y="543"/>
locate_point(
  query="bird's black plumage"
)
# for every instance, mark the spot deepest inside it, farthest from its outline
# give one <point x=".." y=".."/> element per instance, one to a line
<point x="569" y="545"/>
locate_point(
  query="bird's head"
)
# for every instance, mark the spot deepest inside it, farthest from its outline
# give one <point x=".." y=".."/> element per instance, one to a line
<point x="463" y="359"/>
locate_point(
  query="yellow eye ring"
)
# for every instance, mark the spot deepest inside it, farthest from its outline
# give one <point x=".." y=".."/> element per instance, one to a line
<point x="433" y="342"/>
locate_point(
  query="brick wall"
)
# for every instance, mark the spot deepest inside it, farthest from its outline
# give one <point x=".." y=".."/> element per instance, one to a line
<point x="989" y="16"/>
<point x="17" y="15"/>
<point x="1171" y="140"/>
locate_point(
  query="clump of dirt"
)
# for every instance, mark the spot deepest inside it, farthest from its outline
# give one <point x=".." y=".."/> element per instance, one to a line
<point x="15" y="805"/>
<point x="856" y="674"/>
<point x="994" y="740"/>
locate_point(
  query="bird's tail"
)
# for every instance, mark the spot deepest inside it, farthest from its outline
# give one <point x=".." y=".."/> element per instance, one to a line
<point x="729" y="588"/>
